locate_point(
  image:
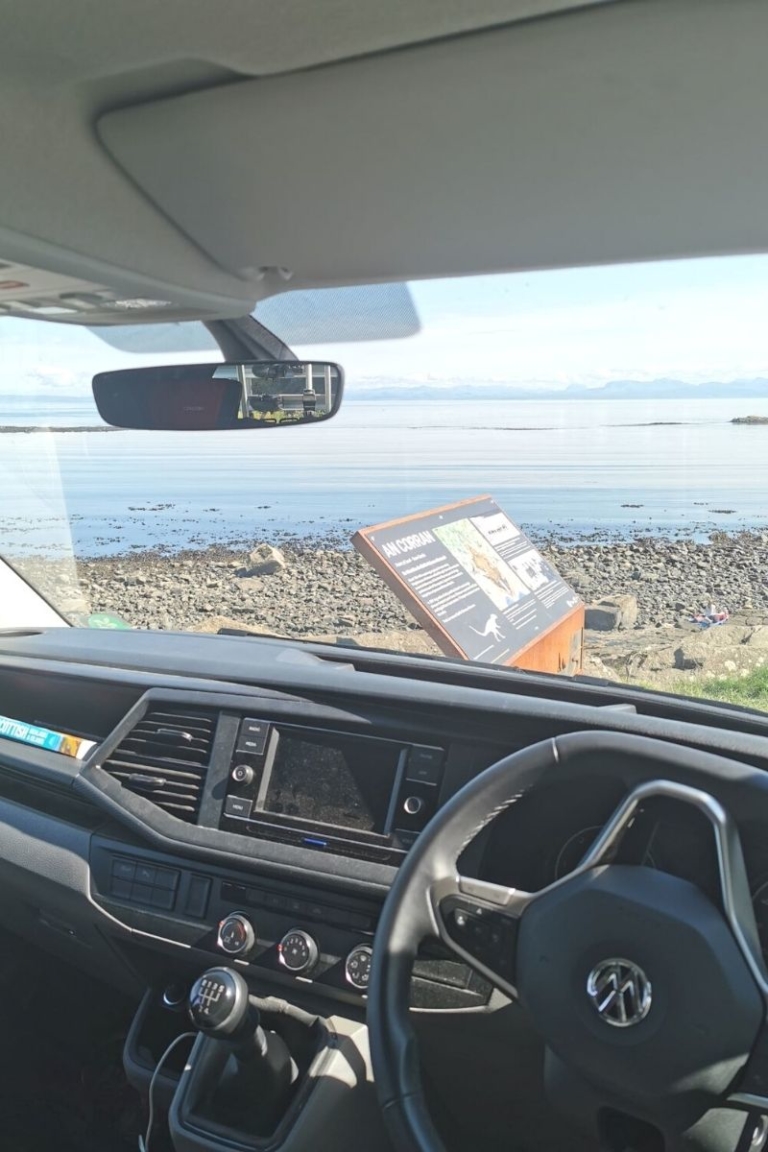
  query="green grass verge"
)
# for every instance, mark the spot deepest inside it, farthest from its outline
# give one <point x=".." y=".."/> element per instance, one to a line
<point x="751" y="690"/>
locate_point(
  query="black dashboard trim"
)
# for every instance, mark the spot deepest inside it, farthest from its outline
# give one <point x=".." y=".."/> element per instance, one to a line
<point x="291" y="678"/>
<point x="241" y="661"/>
<point x="381" y="690"/>
<point x="256" y="666"/>
<point x="209" y="844"/>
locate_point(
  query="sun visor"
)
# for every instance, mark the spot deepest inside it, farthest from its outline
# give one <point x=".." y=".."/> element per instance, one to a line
<point x="341" y="315"/>
<point x="616" y="133"/>
<point x="160" y="339"/>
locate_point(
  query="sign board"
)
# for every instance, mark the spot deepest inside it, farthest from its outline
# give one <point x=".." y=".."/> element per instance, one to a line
<point x="477" y="585"/>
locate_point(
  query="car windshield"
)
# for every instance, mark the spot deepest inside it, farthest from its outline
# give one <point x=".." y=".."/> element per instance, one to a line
<point x="607" y="427"/>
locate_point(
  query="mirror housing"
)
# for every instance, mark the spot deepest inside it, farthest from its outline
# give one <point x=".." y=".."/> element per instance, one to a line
<point x="202" y="397"/>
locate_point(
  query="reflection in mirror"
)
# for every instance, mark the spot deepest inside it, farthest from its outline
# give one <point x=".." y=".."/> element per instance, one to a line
<point x="252" y="394"/>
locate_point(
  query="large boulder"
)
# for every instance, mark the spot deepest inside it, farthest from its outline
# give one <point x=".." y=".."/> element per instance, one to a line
<point x="692" y="655"/>
<point x="610" y="615"/>
<point x="265" y="560"/>
<point x="697" y="655"/>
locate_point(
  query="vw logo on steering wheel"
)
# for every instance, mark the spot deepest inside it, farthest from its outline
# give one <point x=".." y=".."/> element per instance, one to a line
<point x="620" y="992"/>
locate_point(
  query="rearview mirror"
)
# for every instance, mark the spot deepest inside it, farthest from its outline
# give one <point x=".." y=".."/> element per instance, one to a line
<point x="252" y="394"/>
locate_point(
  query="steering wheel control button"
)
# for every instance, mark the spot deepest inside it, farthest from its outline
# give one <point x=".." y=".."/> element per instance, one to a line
<point x="620" y="992"/>
<point x="298" y="951"/>
<point x="485" y="935"/>
<point x="243" y="774"/>
<point x="357" y="967"/>
<point x="238" y="806"/>
<point x="253" y="737"/>
<point x="236" y="935"/>
<point x="425" y="764"/>
<point x="412" y="805"/>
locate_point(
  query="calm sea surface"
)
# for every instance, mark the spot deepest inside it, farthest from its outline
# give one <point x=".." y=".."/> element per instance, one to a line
<point x="572" y="467"/>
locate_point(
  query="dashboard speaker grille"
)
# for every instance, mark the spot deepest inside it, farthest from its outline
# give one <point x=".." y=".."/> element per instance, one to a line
<point x="165" y="758"/>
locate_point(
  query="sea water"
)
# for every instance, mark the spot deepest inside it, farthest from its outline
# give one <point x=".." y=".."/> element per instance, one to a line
<point x="570" y="468"/>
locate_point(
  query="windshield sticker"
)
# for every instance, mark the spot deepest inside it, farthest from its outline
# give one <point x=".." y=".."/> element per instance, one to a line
<point x="107" y="620"/>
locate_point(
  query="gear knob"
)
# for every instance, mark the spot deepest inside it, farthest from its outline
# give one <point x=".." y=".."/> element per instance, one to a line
<point x="218" y="1005"/>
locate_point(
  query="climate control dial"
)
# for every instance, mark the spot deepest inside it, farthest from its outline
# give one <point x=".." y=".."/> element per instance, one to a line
<point x="357" y="968"/>
<point x="236" y="935"/>
<point x="298" y="951"/>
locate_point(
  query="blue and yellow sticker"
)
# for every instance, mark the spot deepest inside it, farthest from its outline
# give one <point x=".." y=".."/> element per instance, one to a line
<point x="46" y="738"/>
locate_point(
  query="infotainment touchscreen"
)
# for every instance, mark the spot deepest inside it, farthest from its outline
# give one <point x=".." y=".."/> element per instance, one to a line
<point x="333" y="779"/>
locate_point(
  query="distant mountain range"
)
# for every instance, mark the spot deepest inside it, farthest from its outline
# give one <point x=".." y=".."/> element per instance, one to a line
<point x="614" y="390"/>
<point x="381" y="389"/>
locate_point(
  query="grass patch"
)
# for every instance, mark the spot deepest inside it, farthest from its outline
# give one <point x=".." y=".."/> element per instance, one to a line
<point x="751" y="691"/>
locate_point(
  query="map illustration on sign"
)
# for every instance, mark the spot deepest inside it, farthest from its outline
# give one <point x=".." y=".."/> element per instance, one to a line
<point x="480" y="560"/>
<point x="471" y="577"/>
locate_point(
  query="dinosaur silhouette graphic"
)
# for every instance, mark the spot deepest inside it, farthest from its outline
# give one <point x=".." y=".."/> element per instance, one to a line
<point x="491" y="628"/>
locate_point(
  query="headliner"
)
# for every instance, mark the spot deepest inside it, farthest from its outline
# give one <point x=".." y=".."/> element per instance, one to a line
<point x="162" y="146"/>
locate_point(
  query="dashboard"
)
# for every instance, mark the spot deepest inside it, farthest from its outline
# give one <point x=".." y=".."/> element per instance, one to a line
<point x="253" y="800"/>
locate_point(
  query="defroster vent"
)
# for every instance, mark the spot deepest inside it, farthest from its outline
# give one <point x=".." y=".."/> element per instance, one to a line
<point x="165" y="758"/>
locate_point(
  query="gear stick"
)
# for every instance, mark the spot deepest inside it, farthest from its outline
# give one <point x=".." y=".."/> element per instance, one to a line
<point x="258" y="1073"/>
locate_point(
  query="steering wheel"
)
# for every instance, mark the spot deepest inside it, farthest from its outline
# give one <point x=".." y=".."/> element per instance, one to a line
<point x="650" y="998"/>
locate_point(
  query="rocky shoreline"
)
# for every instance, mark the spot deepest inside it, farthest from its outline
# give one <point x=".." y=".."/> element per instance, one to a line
<point x="329" y="592"/>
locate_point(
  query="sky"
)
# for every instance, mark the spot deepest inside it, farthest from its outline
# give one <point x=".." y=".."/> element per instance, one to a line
<point x="693" y="320"/>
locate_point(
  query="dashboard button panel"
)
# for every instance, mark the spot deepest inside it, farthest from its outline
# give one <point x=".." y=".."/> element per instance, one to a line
<point x="287" y="903"/>
<point x="253" y="737"/>
<point x="198" y="895"/>
<point x="238" y="806"/>
<point x="139" y="883"/>
<point x="425" y="764"/>
<point x="191" y="909"/>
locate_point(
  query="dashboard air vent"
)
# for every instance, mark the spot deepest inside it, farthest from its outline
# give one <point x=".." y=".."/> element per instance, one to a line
<point x="165" y="757"/>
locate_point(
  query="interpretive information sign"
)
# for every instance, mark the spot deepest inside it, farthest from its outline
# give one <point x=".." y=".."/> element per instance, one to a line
<point x="471" y="578"/>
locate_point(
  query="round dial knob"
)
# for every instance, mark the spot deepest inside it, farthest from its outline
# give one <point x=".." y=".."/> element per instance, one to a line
<point x="357" y="968"/>
<point x="236" y="935"/>
<point x="218" y="1002"/>
<point x="242" y="774"/>
<point x="298" y="951"/>
<point x="413" y="805"/>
